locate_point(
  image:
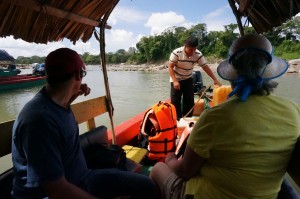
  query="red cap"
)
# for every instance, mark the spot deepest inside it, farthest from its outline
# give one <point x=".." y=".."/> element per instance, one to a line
<point x="63" y="61"/>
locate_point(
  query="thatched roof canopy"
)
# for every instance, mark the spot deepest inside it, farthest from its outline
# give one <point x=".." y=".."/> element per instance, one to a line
<point x="266" y="14"/>
<point x="43" y="21"/>
<point x="5" y="58"/>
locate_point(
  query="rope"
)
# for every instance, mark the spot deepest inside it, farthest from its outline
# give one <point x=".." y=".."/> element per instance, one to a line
<point x="201" y="96"/>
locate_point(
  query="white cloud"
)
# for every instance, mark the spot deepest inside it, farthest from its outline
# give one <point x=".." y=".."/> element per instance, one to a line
<point x="158" y="22"/>
<point x="119" y="39"/>
<point x="122" y="14"/>
<point x="216" y="20"/>
<point x="91" y="47"/>
<point x="21" y="48"/>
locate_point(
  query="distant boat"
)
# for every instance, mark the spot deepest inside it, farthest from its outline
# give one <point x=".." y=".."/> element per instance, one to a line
<point x="20" y="81"/>
<point x="10" y="78"/>
<point x="10" y="70"/>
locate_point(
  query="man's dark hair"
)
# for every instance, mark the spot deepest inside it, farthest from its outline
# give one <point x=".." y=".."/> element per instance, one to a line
<point x="191" y="42"/>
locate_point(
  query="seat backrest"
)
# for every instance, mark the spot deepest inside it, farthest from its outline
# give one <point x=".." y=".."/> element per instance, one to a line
<point x="86" y="111"/>
<point x="97" y="135"/>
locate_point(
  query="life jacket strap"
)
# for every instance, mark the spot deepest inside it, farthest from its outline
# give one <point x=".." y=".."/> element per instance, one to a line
<point x="167" y="129"/>
<point x="164" y="152"/>
<point x="162" y="141"/>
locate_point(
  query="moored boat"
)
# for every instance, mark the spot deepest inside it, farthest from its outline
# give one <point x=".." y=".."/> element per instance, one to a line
<point x="10" y="77"/>
<point x="20" y="81"/>
<point x="11" y="70"/>
<point x="78" y="25"/>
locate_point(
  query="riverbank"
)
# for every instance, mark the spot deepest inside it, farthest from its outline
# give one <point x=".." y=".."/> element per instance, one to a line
<point x="294" y="67"/>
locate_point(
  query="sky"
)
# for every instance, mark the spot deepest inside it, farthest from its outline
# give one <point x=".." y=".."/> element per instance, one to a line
<point x="133" y="19"/>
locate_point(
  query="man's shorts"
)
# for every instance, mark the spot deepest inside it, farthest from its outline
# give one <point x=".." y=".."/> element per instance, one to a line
<point x="174" y="187"/>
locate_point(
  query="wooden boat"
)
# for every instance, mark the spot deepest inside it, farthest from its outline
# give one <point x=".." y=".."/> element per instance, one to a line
<point x="9" y="71"/>
<point x="76" y="20"/>
<point x="10" y="77"/>
<point x="20" y="81"/>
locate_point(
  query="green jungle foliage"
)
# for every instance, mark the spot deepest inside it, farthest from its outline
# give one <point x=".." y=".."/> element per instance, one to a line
<point x="214" y="45"/>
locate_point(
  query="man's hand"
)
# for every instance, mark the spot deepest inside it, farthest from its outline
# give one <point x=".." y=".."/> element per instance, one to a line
<point x="176" y="85"/>
<point x="216" y="82"/>
<point x="170" y="157"/>
<point x="84" y="90"/>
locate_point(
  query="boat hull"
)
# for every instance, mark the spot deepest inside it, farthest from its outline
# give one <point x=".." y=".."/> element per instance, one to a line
<point x="20" y="81"/>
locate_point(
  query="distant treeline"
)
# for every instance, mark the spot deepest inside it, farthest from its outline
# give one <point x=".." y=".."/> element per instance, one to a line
<point x="214" y="45"/>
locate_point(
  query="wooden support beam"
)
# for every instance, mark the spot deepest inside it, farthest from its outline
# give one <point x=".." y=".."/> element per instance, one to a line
<point x="237" y="16"/>
<point x="47" y="9"/>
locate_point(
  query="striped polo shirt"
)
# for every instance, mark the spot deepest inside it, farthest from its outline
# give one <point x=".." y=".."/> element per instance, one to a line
<point x="184" y="64"/>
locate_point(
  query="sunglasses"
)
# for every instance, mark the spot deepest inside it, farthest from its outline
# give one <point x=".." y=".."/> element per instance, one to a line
<point x="82" y="73"/>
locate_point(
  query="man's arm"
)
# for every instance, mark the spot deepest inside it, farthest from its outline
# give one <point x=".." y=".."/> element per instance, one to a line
<point x="84" y="90"/>
<point x="172" y="75"/>
<point x="62" y="189"/>
<point x="211" y="74"/>
<point x="186" y="167"/>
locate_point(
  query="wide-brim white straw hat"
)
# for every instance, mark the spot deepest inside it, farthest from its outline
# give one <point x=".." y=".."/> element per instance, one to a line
<point x="275" y="68"/>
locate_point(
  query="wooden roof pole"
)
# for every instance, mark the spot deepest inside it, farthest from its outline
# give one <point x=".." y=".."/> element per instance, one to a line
<point x="104" y="70"/>
<point x="35" y="5"/>
<point x="236" y="14"/>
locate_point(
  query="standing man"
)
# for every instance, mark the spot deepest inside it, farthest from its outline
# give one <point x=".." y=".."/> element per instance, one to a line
<point x="181" y="65"/>
<point x="47" y="157"/>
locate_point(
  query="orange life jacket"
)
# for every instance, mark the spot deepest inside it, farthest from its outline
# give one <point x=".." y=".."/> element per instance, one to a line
<point x="159" y="126"/>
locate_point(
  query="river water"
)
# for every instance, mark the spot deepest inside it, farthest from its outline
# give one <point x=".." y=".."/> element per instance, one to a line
<point x="132" y="93"/>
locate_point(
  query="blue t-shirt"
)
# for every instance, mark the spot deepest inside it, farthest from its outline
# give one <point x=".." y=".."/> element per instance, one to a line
<point x="45" y="147"/>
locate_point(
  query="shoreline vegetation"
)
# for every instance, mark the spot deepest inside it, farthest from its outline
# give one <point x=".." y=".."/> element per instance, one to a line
<point x="294" y="67"/>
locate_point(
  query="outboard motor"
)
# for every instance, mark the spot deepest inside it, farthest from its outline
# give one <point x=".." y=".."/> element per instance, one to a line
<point x="197" y="81"/>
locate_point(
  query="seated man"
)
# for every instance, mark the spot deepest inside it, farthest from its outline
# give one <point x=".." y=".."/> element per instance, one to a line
<point x="46" y="153"/>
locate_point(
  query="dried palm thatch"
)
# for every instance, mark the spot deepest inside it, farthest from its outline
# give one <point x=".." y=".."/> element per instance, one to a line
<point x="43" y="21"/>
<point x="264" y="14"/>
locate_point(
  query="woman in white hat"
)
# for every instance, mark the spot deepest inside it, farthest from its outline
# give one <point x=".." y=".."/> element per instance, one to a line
<point x="240" y="148"/>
